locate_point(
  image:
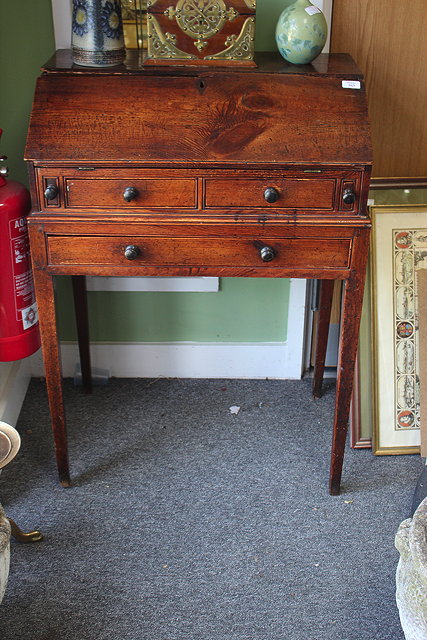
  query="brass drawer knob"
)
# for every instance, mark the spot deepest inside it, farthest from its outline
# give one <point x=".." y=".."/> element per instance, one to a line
<point x="271" y="195"/>
<point x="130" y="193"/>
<point x="349" y="196"/>
<point x="51" y="192"/>
<point x="132" y="252"/>
<point x="267" y="253"/>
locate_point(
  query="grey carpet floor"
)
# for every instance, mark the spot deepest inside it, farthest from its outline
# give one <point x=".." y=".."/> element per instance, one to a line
<point x="186" y="522"/>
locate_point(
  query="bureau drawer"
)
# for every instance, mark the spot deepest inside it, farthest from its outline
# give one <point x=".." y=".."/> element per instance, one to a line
<point x="298" y="253"/>
<point x="150" y="193"/>
<point x="287" y="193"/>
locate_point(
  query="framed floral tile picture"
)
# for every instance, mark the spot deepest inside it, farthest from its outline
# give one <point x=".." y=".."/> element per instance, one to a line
<point x="399" y="251"/>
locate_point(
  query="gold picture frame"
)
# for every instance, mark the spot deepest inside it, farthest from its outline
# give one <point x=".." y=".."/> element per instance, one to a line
<point x="399" y="249"/>
<point x="361" y="412"/>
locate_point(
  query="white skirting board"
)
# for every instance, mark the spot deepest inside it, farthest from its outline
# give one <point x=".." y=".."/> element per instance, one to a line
<point x="254" y="360"/>
<point x="185" y="360"/>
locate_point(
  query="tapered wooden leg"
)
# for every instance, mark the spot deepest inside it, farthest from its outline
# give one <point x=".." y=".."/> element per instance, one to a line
<point x="82" y="323"/>
<point x="43" y="283"/>
<point x="350" y="323"/>
<point x="324" y="317"/>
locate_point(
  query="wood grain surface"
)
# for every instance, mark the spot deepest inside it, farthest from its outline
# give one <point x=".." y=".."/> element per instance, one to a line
<point x="228" y="117"/>
<point x="387" y="38"/>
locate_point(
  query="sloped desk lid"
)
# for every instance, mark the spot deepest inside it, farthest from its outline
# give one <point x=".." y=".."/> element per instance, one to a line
<point x="277" y="113"/>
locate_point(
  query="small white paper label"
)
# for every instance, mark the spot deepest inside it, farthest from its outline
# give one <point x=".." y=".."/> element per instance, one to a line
<point x="312" y="10"/>
<point x="350" y="84"/>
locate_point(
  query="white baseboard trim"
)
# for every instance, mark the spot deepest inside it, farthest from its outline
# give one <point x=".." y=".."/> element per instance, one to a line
<point x="254" y="360"/>
<point x="14" y="380"/>
<point x="185" y="360"/>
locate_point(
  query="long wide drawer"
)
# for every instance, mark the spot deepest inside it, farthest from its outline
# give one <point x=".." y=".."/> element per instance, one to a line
<point x="298" y="253"/>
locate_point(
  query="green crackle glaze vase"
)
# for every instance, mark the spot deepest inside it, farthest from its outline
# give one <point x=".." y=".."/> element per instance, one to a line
<point x="301" y="32"/>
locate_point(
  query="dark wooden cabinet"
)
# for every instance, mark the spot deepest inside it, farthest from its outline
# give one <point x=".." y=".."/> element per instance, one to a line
<point x="188" y="171"/>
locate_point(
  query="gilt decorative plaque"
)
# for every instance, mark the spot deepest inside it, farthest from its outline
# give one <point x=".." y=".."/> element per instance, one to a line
<point x="201" y="32"/>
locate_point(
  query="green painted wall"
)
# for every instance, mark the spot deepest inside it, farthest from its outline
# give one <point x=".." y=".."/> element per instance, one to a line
<point x="244" y="310"/>
<point x="26" y="42"/>
<point x="267" y="14"/>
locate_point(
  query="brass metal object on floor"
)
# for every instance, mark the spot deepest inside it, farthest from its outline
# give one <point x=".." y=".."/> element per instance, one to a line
<point x="21" y="536"/>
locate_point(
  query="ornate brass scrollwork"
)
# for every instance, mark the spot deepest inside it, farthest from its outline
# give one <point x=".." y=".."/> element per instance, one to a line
<point x="201" y="19"/>
<point x="240" y="47"/>
<point x="162" y="45"/>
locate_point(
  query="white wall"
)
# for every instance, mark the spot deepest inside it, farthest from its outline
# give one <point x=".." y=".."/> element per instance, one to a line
<point x="61" y="10"/>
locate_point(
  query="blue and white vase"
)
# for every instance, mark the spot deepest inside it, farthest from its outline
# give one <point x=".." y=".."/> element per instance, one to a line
<point x="97" y="33"/>
<point x="301" y="32"/>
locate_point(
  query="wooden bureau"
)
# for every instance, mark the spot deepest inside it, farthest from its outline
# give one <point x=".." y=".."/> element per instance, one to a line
<point x="181" y="171"/>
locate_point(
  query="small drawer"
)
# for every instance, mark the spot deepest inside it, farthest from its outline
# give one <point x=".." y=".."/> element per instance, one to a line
<point x="289" y="193"/>
<point x="298" y="253"/>
<point x="147" y="193"/>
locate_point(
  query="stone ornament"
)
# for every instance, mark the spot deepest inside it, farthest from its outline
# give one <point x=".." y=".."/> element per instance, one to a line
<point x="4" y="551"/>
<point x="10" y="442"/>
<point x="411" y="574"/>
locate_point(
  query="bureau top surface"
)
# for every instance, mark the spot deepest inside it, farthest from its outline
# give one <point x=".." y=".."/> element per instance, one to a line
<point x="276" y="113"/>
<point x="336" y="64"/>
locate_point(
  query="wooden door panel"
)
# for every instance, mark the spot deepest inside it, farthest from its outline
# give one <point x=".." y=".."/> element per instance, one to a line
<point x="387" y="40"/>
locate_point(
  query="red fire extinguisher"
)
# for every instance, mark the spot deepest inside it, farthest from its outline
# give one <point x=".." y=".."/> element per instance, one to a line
<point x="19" y="327"/>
